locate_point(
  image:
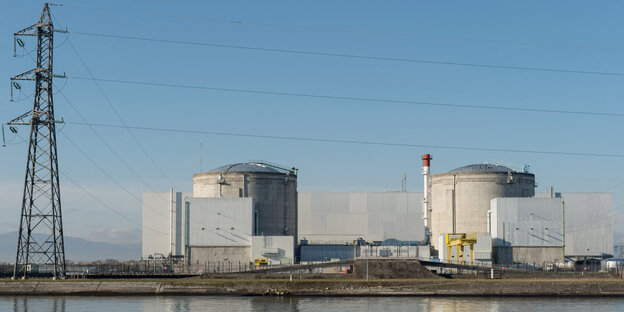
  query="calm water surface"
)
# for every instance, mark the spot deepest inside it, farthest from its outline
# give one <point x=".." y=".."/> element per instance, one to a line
<point x="216" y="303"/>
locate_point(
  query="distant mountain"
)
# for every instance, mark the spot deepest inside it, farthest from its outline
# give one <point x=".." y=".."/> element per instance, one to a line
<point x="76" y="249"/>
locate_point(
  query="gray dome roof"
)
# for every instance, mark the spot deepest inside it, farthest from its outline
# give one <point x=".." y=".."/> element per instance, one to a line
<point x="483" y="168"/>
<point x="245" y="167"/>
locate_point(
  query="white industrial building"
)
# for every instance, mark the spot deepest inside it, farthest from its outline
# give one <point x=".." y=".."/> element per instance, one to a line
<point x="588" y="223"/>
<point x="235" y="213"/>
<point x="335" y="225"/>
<point x="525" y="227"/>
<point x="219" y="229"/>
<point x="530" y="229"/>
<point x="241" y="212"/>
<point x="163" y="224"/>
<point x="208" y="230"/>
<point x="527" y="230"/>
<point x="341" y="218"/>
<point x="460" y="198"/>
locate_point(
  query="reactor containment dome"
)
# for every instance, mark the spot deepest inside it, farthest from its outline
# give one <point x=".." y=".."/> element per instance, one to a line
<point x="273" y="188"/>
<point x="460" y="198"/>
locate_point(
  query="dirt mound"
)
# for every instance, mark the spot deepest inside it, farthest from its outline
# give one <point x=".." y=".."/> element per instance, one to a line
<point x="387" y="268"/>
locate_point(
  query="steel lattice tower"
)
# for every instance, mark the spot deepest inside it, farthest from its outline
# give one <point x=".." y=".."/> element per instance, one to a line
<point x="41" y="204"/>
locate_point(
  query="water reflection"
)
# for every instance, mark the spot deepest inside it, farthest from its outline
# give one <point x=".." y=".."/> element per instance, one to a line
<point x="56" y="304"/>
<point x="214" y="303"/>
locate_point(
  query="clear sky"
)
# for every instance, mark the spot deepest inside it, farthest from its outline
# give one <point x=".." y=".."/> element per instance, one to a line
<point x="568" y="35"/>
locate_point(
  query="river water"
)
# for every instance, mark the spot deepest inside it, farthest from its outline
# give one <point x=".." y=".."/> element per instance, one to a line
<point x="221" y="303"/>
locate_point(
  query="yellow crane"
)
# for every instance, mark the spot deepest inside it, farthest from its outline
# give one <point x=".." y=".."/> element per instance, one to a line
<point x="460" y="240"/>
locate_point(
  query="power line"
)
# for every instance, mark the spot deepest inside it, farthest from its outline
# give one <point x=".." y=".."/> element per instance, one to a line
<point x="90" y="125"/>
<point x="99" y="167"/>
<point x="584" y="224"/>
<point x="350" y="98"/>
<point x="347" y="141"/>
<point x="593" y="218"/>
<point x="354" y="56"/>
<point x="117" y="156"/>
<point x="587" y="221"/>
<point x="114" y="153"/>
<point x="108" y="174"/>
<point x="130" y="169"/>
<point x="110" y="104"/>
<point x="121" y="186"/>
<point x="107" y="206"/>
<point x="110" y="148"/>
<point x="346" y="30"/>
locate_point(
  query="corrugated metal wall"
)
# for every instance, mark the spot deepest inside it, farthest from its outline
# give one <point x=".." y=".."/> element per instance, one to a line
<point x="535" y="222"/>
<point x="588" y="222"/>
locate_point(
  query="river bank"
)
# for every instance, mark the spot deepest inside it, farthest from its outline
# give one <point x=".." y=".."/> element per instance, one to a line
<point x="302" y="287"/>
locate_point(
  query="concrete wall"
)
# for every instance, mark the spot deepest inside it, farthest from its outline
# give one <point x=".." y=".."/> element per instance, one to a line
<point x="469" y="195"/>
<point x="157" y="224"/>
<point x="275" y="196"/>
<point x="341" y="218"/>
<point x="532" y="255"/>
<point x="277" y="249"/>
<point x="220" y="255"/>
<point x="531" y="222"/>
<point x="220" y="221"/>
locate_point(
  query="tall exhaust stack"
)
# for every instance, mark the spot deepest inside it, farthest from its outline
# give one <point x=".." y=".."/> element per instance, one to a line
<point x="427" y="195"/>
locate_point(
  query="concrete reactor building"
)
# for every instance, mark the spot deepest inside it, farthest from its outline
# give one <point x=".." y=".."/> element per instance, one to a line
<point x="273" y="189"/>
<point x="460" y="198"/>
<point x="236" y="213"/>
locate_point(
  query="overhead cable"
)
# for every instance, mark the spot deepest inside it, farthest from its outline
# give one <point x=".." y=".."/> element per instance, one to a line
<point x="346" y="30"/>
<point x="349" y="98"/>
<point x="109" y="175"/>
<point x="84" y="190"/>
<point x="110" y="104"/>
<point x="349" y="141"/>
<point x="366" y="57"/>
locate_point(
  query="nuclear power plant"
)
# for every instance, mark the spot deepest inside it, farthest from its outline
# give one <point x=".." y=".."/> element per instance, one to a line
<point x="243" y="213"/>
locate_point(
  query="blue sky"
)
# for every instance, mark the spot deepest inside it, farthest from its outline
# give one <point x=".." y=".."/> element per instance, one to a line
<point x="572" y="35"/>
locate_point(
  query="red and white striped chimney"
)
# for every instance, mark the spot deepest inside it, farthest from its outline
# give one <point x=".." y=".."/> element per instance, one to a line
<point x="427" y="194"/>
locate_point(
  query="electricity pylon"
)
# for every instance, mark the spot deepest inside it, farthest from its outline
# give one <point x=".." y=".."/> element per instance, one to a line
<point x="41" y="204"/>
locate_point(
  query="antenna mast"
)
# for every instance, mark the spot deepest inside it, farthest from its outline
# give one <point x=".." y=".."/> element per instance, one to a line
<point x="404" y="182"/>
<point x="40" y="246"/>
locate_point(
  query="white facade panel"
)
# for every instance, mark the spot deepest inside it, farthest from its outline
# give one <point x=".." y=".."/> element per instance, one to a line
<point x="163" y="225"/>
<point x="535" y="222"/>
<point x="339" y="218"/>
<point x="588" y="223"/>
<point x="220" y="221"/>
